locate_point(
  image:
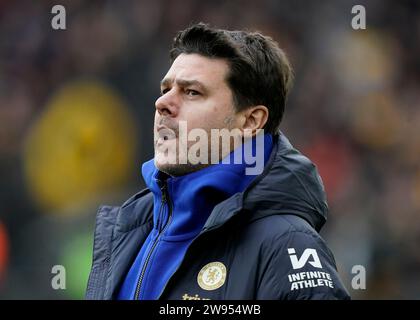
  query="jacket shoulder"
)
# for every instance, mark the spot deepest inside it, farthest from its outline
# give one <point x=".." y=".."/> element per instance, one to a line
<point x="296" y="262"/>
<point x="291" y="185"/>
<point x="137" y="210"/>
<point x="105" y="222"/>
<point x="276" y="226"/>
<point x="132" y="213"/>
<point x="111" y="221"/>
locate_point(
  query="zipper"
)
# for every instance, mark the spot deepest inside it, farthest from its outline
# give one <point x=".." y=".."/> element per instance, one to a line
<point x="162" y="206"/>
<point x="165" y="201"/>
<point x="188" y="249"/>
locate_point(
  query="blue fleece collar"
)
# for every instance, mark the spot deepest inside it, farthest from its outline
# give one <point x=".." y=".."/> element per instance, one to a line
<point x="193" y="196"/>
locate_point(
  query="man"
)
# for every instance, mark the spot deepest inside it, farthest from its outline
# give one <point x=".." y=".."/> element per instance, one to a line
<point x="212" y="224"/>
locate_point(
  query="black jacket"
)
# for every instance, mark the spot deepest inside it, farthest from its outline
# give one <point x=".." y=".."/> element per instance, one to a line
<point x="262" y="243"/>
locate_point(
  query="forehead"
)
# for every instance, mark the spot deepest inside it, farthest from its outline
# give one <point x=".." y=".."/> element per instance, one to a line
<point x="210" y="71"/>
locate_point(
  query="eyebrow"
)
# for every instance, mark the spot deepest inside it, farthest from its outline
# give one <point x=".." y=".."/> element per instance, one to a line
<point x="182" y="83"/>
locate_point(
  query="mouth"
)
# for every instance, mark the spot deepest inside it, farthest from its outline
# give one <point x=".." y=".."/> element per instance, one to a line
<point x="165" y="134"/>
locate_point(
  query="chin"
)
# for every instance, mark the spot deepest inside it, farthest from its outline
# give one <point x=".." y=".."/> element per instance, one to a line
<point x="176" y="170"/>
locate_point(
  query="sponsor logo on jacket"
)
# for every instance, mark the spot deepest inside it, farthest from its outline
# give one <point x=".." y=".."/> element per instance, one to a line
<point x="304" y="258"/>
<point x="307" y="279"/>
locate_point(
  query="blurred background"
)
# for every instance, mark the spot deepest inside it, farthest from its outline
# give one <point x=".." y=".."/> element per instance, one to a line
<point x="76" y="119"/>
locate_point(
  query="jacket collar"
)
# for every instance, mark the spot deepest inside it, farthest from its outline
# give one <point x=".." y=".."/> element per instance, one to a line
<point x="193" y="196"/>
<point x="289" y="184"/>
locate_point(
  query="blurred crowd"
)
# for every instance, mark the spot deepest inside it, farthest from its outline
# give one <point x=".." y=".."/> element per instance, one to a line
<point x="76" y="120"/>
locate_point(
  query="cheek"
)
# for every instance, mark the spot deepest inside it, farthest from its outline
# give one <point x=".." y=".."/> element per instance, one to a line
<point x="208" y="115"/>
<point x="223" y="116"/>
<point x="206" y="120"/>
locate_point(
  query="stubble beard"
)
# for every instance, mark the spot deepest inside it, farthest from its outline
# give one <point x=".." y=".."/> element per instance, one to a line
<point x="182" y="166"/>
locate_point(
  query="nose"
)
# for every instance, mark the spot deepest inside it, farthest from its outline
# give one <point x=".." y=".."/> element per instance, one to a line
<point x="168" y="104"/>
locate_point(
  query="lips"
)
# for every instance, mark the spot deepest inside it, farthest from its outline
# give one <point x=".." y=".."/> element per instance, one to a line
<point x="164" y="134"/>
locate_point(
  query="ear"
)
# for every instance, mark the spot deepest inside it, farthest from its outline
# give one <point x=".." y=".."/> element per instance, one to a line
<point x="254" y="118"/>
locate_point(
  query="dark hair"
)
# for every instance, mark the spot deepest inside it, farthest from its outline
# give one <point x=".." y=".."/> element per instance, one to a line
<point x="260" y="73"/>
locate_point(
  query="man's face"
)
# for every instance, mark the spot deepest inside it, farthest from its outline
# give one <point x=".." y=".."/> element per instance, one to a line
<point x="195" y="94"/>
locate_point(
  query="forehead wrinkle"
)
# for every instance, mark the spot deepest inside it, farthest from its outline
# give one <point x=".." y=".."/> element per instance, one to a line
<point x="181" y="82"/>
<point x="186" y="83"/>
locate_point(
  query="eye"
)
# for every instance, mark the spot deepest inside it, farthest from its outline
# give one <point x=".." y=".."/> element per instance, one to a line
<point x="164" y="90"/>
<point x="190" y="92"/>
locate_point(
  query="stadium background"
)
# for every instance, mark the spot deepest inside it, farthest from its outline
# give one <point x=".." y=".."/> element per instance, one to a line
<point x="76" y="110"/>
